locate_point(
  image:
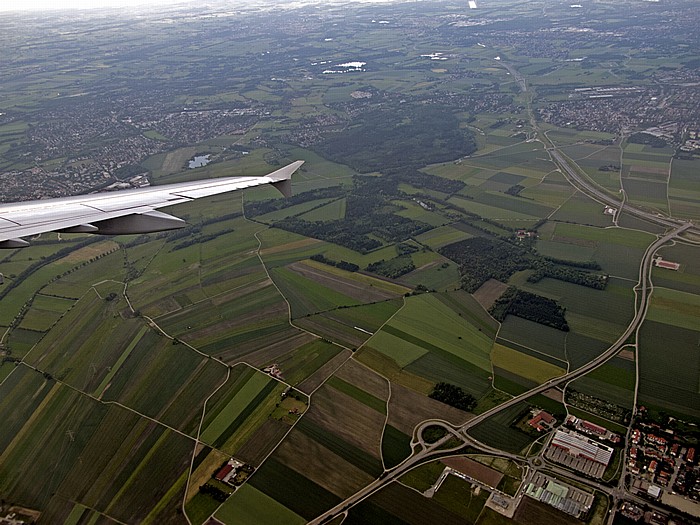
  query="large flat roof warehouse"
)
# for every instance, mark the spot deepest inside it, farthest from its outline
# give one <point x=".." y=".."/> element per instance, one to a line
<point x="581" y="446"/>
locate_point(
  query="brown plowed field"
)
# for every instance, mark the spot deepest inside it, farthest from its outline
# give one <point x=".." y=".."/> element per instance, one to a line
<point x="408" y="408"/>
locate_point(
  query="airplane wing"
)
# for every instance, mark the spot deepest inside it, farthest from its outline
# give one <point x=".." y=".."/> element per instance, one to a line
<point x="122" y="212"/>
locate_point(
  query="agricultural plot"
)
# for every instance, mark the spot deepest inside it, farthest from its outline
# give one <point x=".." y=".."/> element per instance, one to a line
<point x="250" y="506"/>
<point x="596" y="319"/>
<point x="96" y="336"/>
<point x="600" y="163"/>
<point x="248" y="320"/>
<point x="347" y="418"/>
<point x="437" y="273"/>
<point x="497" y="431"/>
<point x="334" y="210"/>
<point x="618" y="250"/>
<point x="675" y="308"/>
<point x="20" y="341"/>
<point x="44" y="312"/>
<point x="33" y="274"/>
<point x="350" y="326"/>
<point x="407" y="408"/>
<point x="164" y="381"/>
<point x="687" y="277"/>
<point x="112" y="460"/>
<point x="457" y="496"/>
<point x="524" y="365"/>
<point x="423" y="477"/>
<point x="292" y="490"/>
<point x="442" y="236"/>
<point x="360" y="286"/>
<point x="581" y="209"/>
<point x="431" y="340"/>
<point x="80" y="278"/>
<point x="306" y="296"/>
<point x="321" y="465"/>
<point x="396" y="446"/>
<point x="397" y="504"/>
<point x="246" y="403"/>
<point x="669" y="368"/>
<point x="315" y="208"/>
<point x="302" y="362"/>
<point x="683" y="192"/>
<point x="645" y="177"/>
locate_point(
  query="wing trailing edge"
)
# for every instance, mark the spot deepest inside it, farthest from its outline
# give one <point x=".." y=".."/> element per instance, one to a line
<point x="123" y="212"/>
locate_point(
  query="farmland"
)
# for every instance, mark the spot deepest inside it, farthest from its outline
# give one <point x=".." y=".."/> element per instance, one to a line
<point x="303" y="336"/>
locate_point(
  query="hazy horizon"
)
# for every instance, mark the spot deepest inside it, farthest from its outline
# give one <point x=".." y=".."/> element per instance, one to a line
<point x="56" y="5"/>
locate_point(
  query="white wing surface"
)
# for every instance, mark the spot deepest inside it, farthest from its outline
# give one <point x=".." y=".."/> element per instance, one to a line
<point x="122" y="212"/>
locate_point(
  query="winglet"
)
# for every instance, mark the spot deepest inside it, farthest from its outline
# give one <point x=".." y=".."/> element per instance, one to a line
<point x="282" y="178"/>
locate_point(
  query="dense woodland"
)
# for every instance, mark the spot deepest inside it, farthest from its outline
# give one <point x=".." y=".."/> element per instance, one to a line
<point x="403" y="134"/>
<point x="454" y="396"/>
<point x="369" y="219"/>
<point x="530" y="306"/>
<point x="481" y="259"/>
<point x="393" y="268"/>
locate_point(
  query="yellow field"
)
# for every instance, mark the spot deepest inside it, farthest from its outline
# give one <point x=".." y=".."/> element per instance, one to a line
<point x="523" y="365"/>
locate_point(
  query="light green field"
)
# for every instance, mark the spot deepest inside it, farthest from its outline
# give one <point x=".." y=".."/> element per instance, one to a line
<point x="231" y="411"/>
<point x="675" y="307"/>
<point x="360" y="278"/>
<point x="115" y="368"/>
<point x="249" y="506"/>
<point x="44" y="312"/>
<point x="401" y="351"/>
<point x="427" y="318"/>
<point x="329" y="212"/>
<point x="490" y="212"/>
<point x="442" y="236"/>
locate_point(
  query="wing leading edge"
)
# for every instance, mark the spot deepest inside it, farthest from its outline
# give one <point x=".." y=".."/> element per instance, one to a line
<point x="122" y="212"/>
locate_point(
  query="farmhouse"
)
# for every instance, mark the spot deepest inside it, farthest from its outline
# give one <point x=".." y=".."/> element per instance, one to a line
<point x="542" y="421"/>
<point x="228" y="472"/>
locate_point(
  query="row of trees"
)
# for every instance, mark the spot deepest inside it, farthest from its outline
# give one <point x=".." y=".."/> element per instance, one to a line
<point x="343" y="265"/>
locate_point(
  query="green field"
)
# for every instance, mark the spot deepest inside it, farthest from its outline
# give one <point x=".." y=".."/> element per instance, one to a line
<point x="306" y="296"/>
<point x="249" y="506"/>
<point x="243" y="398"/>
<point x="669" y="380"/>
<point x="497" y="431"/>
